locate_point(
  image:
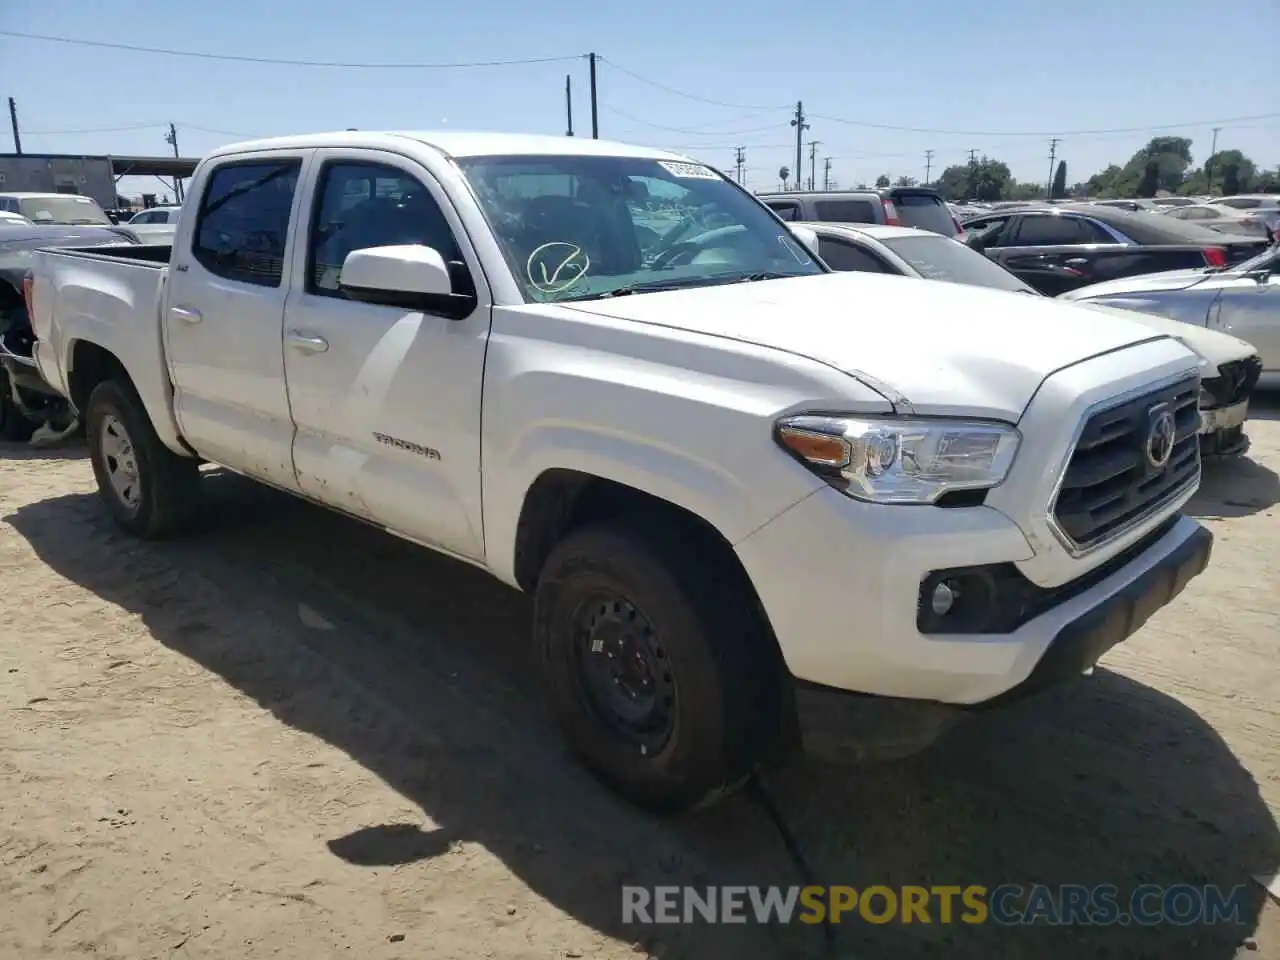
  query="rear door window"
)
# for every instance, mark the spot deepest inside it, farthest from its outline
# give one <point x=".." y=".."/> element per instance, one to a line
<point x="1048" y="230"/>
<point x="984" y="234"/>
<point x="925" y="211"/>
<point x="845" y="256"/>
<point x="785" y="209"/>
<point x="242" y="225"/>
<point x="846" y="211"/>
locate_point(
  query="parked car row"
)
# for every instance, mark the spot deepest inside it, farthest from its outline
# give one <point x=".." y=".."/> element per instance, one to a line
<point x="1232" y="366"/>
<point x="1067" y="246"/>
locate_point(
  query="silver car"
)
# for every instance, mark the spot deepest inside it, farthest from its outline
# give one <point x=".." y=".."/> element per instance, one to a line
<point x="1243" y="301"/>
<point x="1231" y="367"/>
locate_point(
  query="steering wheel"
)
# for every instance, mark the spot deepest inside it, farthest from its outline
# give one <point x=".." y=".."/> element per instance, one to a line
<point x="666" y="257"/>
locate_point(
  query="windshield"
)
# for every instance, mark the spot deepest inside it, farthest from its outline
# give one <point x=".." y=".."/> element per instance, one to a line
<point x="940" y="258"/>
<point x="1270" y="260"/>
<point x="581" y="227"/>
<point x="61" y="210"/>
<point x="925" y="212"/>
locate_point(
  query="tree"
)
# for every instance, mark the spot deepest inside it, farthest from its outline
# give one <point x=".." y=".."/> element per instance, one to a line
<point x="1059" y="188"/>
<point x="905" y="181"/>
<point x="1103" y="183"/>
<point x="985" y="179"/>
<point x="1150" y="181"/>
<point x="1171" y="156"/>
<point x="1230" y="179"/>
<point x="882" y="181"/>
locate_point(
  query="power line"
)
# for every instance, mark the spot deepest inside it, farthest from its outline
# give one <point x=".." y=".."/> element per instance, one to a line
<point x="279" y="61"/>
<point x="1039" y="133"/>
<point x="132" y="126"/>
<point x="720" y="133"/>
<point x="959" y="133"/>
<point x="690" y="96"/>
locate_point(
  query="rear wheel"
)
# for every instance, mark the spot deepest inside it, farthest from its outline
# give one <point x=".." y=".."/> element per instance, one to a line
<point x="661" y="676"/>
<point x="149" y="490"/>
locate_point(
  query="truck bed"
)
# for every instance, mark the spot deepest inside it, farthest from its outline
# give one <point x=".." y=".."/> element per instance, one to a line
<point x="144" y="254"/>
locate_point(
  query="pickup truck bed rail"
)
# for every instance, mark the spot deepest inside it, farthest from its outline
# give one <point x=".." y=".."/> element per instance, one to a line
<point x="147" y="254"/>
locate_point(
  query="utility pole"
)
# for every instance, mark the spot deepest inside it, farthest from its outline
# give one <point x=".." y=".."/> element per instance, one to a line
<point x="568" y="103"/>
<point x="973" y="175"/>
<point x="13" y="120"/>
<point x="826" y="173"/>
<point x="1053" y="153"/>
<point x="1208" y="164"/>
<point x="813" y="164"/>
<point x="798" y="122"/>
<point x="739" y="160"/>
<point x="928" y="166"/>
<point x="595" y="106"/>
<point x="172" y="138"/>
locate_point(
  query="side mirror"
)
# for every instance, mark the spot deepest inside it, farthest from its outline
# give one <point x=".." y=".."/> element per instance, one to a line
<point x="808" y="238"/>
<point x="410" y="276"/>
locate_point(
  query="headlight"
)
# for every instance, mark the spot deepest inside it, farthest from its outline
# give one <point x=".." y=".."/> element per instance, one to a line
<point x="900" y="461"/>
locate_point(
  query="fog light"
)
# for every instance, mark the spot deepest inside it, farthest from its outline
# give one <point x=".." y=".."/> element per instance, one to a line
<point x="944" y="597"/>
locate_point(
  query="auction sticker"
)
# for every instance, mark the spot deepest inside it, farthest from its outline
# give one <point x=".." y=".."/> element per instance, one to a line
<point x="688" y="171"/>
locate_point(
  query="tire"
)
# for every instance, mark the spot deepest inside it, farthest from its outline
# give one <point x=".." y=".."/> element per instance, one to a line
<point x="164" y="496"/>
<point x="716" y="663"/>
<point x="14" y="426"/>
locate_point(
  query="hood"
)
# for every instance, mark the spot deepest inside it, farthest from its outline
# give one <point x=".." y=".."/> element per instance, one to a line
<point x="1213" y="346"/>
<point x="941" y="349"/>
<point x="1161" y="282"/>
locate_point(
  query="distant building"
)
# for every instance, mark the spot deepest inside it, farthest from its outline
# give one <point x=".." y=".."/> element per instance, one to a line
<point x="89" y="176"/>
<point x="55" y="173"/>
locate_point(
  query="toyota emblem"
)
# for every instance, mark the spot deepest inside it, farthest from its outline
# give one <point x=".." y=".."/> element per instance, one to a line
<point x="1160" y="436"/>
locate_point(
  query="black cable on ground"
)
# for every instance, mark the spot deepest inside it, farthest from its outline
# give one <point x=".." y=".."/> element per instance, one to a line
<point x="756" y="788"/>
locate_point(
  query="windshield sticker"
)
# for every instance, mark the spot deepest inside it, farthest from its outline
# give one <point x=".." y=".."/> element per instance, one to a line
<point x="793" y="247"/>
<point x="688" y="171"/>
<point x="557" y="266"/>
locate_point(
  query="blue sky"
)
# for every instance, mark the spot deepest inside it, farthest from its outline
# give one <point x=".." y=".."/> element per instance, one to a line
<point x="1000" y="77"/>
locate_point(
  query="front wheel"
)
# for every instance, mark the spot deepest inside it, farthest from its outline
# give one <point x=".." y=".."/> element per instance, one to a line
<point x="658" y="670"/>
<point x="149" y="490"/>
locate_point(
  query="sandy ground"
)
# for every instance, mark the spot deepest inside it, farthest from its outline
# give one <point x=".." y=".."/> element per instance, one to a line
<point x="290" y="736"/>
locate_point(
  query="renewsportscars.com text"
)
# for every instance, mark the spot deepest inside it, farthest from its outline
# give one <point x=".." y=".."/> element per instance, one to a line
<point x="1007" y="904"/>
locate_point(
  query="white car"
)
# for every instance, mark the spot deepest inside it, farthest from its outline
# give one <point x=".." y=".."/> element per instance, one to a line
<point x="156" y="225"/>
<point x="14" y="218"/>
<point x="738" y="485"/>
<point x="1229" y="365"/>
<point x="66" y="209"/>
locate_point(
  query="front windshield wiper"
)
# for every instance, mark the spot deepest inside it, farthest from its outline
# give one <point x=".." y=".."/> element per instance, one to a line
<point x="646" y="286"/>
<point x="657" y="286"/>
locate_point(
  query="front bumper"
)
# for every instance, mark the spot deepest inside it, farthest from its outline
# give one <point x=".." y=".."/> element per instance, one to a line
<point x="1081" y="642"/>
<point x="1222" y="430"/>
<point x="840" y="581"/>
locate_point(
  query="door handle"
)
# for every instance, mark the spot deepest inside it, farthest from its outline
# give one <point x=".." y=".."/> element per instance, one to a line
<point x="306" y="343"/>
<point x="1076" y="261"/>
<point x="189" y="314"/>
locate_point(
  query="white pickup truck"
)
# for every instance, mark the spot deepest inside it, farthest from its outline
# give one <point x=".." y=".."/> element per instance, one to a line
<point x="737" y="483"/>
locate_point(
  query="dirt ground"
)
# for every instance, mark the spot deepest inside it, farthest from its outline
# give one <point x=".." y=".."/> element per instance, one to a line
<point x="291" y="736"/>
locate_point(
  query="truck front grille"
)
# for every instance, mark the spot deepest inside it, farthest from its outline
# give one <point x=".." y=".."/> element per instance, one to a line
<point x="1234" y="382"/>
<point x="1119" y="473"/>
